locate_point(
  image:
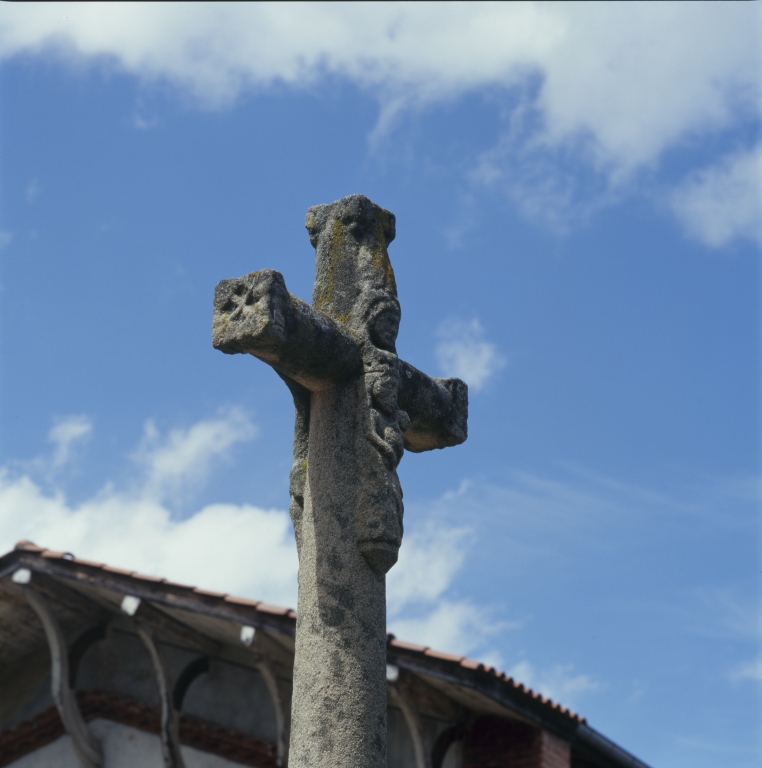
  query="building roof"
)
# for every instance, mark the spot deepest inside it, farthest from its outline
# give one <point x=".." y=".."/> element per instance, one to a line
<point x="220" y="616"/>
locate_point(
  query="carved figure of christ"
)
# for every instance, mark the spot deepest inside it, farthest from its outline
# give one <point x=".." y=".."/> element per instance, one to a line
<point x="358" y="406"/>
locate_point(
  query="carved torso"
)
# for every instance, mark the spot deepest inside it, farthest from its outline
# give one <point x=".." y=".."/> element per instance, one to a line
<point x="355" y="286"/>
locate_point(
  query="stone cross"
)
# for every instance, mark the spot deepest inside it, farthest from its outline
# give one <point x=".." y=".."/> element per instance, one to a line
<point x="358" y="406"/>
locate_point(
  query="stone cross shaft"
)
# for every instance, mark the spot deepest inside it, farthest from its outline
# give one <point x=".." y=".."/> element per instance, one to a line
<point x="358" y="406"/>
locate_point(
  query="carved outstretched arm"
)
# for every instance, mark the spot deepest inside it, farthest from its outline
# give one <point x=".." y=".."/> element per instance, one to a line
<point x="438" y="410"/>
<point x="256" y="314"/>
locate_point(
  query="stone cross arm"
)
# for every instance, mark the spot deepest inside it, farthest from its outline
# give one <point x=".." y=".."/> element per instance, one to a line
<point x="256" y="314"/>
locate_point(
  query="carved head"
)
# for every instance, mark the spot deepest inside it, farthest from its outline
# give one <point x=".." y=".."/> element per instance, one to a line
<point x="354" y="280"/>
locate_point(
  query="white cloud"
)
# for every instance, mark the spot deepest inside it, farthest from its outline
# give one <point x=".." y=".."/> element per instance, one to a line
<point x="625" y="80"/>
<point x="217" y="51"/>
<point x="559" y="682"/>
<point x="184" y="458"/>
<point x="65" y="434"/>
<point x="5" y="238"/>
<point x="464" y="352"/>
<point x="429" y="559"/>
<point x="638" y="76"/>
<point x="421" y="608"/>
<point x="751" y="670"/>
<point x="239" y="549"/>
<point x="724" y="201"/>
<point x="455" y="626"/>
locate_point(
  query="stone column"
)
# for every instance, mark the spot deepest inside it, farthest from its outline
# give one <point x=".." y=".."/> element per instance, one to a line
<point x="339" y="711"/>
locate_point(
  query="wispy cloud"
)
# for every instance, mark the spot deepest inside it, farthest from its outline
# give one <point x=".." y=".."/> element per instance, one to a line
<point x="464" y="352"/>
<point x="65" y="434"/>
<point x="721" y="612"/>
<point x="751" y="670"/>
<point x="5" y="238"/>
<point x="184" y="458"/>
<point x="144" y="124"/>
<point x="724" y="201"/>
<point x="33" y="190"/>
<point x="560" y="682"/>
<point x="421" y="605"/>
<point x="553" y="184"/>
<point x="430" y="558"/>
<point x="455" y="626"/>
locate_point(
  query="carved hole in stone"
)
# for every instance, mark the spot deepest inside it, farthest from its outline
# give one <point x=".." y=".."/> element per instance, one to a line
<point x="250" y="299"/>
<point x="239" y="290"/>
<point x="229" y="306"/>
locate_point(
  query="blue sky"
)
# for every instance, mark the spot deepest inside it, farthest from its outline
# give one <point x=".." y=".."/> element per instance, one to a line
<point x="579" y="218"/>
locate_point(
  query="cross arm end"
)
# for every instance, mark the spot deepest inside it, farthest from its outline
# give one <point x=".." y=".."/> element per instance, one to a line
<point x="438" y="410"/>
<point x="256" y="314"/>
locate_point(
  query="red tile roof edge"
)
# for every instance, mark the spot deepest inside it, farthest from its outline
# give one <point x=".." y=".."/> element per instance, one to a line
<point x="423" y="650"/>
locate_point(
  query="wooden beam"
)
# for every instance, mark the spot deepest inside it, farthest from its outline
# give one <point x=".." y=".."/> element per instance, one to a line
<point x="170" y="734"/>
<point x="170" y="629"/>
<point x="87" y="748"/>
<point x="421" y="746"/>
<point x="281" y="717"/>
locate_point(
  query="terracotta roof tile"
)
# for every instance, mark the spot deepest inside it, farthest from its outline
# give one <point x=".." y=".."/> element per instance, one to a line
<point x="91" y="563"/>
<point x="240" y="601"/>
<point x="52" y="555"/>
<point x="409" y="646"/>
<point x="178" y="585"/>
<point x="444" y="656"/>
<point x="28" y="546"/>
<point x="209" y="593"/>
<point x="147" y="577"/>
<point x="275" y="609"/>
<point x="470" y="664"/>
<point x="111" y="569"/>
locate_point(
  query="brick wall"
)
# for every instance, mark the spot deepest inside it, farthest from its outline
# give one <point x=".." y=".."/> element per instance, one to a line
<point x="493" y="742"/>
<point x="554" y="752"/>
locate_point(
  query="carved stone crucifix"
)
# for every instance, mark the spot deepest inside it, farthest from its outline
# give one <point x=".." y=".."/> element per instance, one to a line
<point x="357" y="407"/>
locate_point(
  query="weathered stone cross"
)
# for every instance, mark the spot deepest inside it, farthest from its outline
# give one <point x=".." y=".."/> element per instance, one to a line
<point x="357" y="406"/>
